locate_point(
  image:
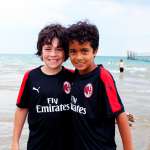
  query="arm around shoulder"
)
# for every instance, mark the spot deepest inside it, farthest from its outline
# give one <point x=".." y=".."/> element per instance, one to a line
<point x="125" y="131"/>
<point x="20" y="117"/>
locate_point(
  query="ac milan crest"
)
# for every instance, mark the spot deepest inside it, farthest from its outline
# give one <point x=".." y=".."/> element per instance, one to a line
<point x="88" y="90"/>
<point x="67" y="87"/>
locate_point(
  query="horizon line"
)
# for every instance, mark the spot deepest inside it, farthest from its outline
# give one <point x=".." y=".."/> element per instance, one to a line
<point x="5" y="53"/>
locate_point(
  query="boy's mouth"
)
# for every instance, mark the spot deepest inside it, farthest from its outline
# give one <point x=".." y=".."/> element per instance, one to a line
<point x="53" y="60"/>
<point x="79" y="64"/>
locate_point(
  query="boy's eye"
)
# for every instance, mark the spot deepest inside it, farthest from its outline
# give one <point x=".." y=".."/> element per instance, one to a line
<point x="59" y="49"/>
<point x="51" y="49"/>
<point x="84" y="51"/>
<point x="47" y="49"/>
<point x="72" y="51"/>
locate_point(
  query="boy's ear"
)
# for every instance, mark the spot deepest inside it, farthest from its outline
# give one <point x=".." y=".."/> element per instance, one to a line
<point x="41" y="57"/>
<point x="95" y="52"/>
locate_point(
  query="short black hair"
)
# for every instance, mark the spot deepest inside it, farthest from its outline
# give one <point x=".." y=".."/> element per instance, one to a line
<point x="48" y="33"/>
<point x="82" y="32"/>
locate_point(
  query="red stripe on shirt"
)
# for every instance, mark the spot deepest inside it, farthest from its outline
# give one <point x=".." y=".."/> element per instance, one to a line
<point x="22" y="86"/>
<point x="70" y="70"/>
<point x="110" y="90"/>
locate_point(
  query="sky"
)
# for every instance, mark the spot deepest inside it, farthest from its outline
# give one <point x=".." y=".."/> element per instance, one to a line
<point x="123" y="24"/>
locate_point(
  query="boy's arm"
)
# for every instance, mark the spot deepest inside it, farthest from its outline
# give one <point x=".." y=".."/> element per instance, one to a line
<point x="20" y="117"/>
<point x="125" y="131"/>
<point x="115" y="107"/>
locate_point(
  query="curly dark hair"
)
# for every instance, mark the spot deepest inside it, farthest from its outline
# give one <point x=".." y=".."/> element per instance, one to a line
<point x="48" y="33"/>
<point x="82" y="32"/>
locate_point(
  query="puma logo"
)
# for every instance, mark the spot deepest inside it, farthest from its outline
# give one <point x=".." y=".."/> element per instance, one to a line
<point x="36" y="89"/>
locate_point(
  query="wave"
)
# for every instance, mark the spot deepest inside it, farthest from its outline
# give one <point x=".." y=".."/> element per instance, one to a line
<point x="133" y="69"/>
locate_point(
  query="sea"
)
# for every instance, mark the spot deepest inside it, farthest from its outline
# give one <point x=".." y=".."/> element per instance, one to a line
<point x="133" y="86"/>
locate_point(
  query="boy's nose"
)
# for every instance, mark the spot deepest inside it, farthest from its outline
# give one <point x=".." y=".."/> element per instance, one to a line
<point x="79" y="56"/>
<point x="53" y="52"/>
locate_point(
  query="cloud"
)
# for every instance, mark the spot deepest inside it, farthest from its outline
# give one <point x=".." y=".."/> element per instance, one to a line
<point x="31" y="12"/>
<point x="122" y="25"/>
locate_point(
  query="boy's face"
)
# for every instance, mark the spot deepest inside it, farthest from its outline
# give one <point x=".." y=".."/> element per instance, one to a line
<point x="82" y="56"/>
<point x="53" y="55"/>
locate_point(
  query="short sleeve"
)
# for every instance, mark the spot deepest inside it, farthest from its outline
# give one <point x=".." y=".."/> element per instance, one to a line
<point x="111" y="100"/>
<point x="23" y="98"/>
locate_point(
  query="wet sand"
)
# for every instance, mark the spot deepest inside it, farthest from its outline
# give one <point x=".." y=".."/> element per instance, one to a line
<point x="134" y="91"/>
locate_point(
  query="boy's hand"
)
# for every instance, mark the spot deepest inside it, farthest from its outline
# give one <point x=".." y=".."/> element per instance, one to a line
<point x="131" y="118"/>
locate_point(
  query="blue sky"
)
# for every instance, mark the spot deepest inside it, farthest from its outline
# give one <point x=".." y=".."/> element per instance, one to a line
<point x="123" y="25"/>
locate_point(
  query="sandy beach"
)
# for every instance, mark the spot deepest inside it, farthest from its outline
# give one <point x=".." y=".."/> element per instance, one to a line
<point x="133" y="87"/>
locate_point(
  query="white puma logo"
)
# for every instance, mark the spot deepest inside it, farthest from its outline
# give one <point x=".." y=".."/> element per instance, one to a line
<point x="36" y="89"/>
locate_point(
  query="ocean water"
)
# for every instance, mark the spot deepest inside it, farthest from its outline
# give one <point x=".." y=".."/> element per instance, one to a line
<point x="133" y="86"/>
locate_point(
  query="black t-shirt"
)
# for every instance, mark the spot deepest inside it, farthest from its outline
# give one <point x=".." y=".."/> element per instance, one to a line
<point x="95" y="104"/>
<point x="48" y="99"/>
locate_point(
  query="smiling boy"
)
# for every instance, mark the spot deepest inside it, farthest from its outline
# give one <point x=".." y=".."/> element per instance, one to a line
<point x="44" y="96"/>
<point x="94" y="98"/>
